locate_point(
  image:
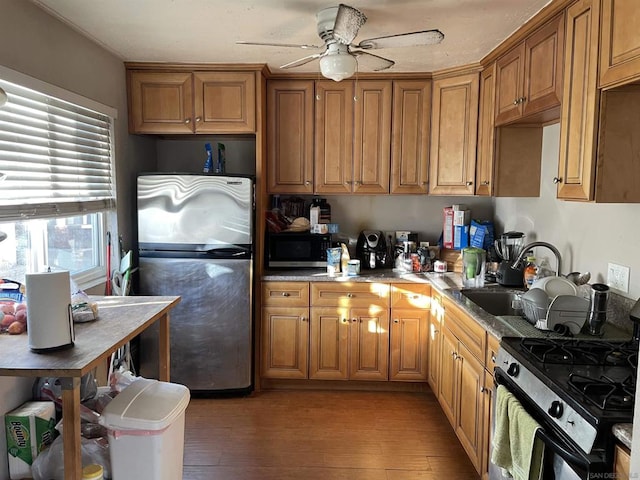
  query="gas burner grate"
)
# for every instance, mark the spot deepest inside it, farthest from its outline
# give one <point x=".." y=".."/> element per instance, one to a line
<point x="604" y="392"/>
<point x="581" y="352"/>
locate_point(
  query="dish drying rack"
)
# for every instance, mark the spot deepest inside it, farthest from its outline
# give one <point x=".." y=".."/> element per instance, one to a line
<point x="573" y="318"/>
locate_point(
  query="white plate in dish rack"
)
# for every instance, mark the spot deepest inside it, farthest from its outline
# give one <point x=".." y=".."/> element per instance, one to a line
<point x="568" y="310"/>
<point x="555" y="286"/>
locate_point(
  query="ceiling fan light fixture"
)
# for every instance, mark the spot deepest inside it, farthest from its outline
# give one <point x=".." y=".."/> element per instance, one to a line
<point x="338" y="67"/>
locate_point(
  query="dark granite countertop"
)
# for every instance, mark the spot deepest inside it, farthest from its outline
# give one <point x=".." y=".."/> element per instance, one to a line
<point x="624" y="432"/>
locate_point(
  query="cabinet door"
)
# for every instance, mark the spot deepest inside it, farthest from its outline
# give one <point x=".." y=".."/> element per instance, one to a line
<point x="334" y="137"/>
<point x="369" y="344"/>
<point x="409" y="340"/>
<point x="449" y="378"/>
<point x="620" y="44"/>
<point x="290" y="136"/>
<point x="285" y="340"/>
<point x="435" y="344"/>
<point x="372" y="137"/>
<point x="486" y="129"/>
<point x="160" y="102"/>
<point x="470" y="404"/>
<point x="410" y="136"/>
<point x="487" y="428"/>
<point x="576" y="169"/>
<point x="454" y="124"/>
<point x="622" y="463"/>
<point x="329" y="343"/>
<point x="509" y="85"/>
<point x="543" y="67"/>
<point x="225" y="102"/>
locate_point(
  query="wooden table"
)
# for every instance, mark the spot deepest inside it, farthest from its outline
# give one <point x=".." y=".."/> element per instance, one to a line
<point x="119" y="320"/>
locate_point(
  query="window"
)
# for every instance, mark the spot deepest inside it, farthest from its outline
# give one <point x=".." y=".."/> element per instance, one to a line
<point x="57" y="194"/>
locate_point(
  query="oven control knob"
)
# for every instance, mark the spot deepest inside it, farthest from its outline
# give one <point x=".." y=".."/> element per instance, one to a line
<point x="513" y="369"/>
<point x="555" y="410"/>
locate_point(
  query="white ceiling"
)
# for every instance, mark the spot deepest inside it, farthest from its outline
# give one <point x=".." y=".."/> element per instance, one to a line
<point x="185" y="31"/>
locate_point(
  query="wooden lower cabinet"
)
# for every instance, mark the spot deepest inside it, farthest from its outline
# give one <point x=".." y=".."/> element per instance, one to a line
<point x="622" y="463"/>
<point x="349" y="343"/>
<point x="460" y="395"/>
<point x="487" y="427"/>
<point x="434" y="343"/>
<point x="408" y="345"/>
<point x="285" y="342"/>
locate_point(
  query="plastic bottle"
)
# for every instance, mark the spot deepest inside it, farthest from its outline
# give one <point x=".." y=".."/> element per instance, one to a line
<point x="530" y="271"/>
<point x="344" y="259"/>
<point x="93" y="472"/>
<point x="208" y="164"/>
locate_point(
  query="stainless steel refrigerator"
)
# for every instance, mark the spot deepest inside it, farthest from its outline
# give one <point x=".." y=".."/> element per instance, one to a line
<point x="195" y="239"/>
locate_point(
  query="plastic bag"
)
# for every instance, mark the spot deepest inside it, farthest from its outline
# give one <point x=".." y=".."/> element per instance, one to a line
<point x="49" y="465"/>
<point x="82" y="308"/>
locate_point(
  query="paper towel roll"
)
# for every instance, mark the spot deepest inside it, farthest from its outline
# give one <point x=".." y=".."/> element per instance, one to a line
<point x="49" y="321"/>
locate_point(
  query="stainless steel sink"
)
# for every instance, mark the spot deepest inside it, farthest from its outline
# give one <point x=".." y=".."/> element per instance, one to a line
<point x="495" y="302"/>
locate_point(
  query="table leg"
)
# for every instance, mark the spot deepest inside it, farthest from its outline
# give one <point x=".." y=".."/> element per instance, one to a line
<point x="164" y="349"/>
<point x="71" y="428"/>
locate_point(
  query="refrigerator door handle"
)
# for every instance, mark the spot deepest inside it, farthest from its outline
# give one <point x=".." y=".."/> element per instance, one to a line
<point x="234" y="252"/>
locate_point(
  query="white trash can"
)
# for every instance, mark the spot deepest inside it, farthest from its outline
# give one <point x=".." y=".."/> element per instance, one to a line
<point x="146" y="430"/>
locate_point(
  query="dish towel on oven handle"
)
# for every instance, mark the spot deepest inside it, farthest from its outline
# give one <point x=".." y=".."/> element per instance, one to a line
<point x="516" y="448"/>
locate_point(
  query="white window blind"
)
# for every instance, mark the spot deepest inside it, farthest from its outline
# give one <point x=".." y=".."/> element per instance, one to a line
<point x="55" y="157"/>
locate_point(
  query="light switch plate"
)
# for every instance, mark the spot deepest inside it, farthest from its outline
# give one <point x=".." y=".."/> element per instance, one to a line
<point x="618" y="277"/>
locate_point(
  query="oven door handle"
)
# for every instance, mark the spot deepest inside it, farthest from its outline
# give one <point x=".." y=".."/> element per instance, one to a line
<point x="561" y="450"/>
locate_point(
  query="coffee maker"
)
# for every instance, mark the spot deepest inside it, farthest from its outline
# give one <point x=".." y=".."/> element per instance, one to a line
<point x="371" y="250"/>
<point x="508" y="247"/>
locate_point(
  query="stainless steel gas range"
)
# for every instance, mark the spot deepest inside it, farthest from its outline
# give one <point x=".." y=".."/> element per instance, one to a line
<point x="576" y="390"/>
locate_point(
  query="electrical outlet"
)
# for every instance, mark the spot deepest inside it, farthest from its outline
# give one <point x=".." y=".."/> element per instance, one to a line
<point x="618" y="277"/>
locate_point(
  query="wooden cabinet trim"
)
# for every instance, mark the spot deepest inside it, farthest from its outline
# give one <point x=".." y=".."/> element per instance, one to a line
<point x="285" y="294"/>
<point x="350" y="294"/>
<point x="411" y="295"/>
<point x="619" y="43"/>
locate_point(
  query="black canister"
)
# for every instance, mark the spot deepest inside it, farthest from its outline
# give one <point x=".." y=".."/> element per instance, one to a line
<point x="598" y="310"/>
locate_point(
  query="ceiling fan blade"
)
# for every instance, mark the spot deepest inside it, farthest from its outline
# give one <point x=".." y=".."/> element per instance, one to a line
<point x="348" y="22"/>
<point x="288" y="45"/>
<point x="372" y="62"/>
<point x="302" y="61"/>
<point x="411" y="39"/>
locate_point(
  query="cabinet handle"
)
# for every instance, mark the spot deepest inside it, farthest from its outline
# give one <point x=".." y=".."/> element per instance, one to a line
<point x="318" y="97"/>
<point x="187" y="120"/>
<point x="304" y="319"/>
<point x="436" y="331"/>
<point x="493" y="358"/>
<point x="349" y="295"/>
<point x="515" y="102"/>
<point x="485" y="182"/>
<point x="354" y="320"/>
<point x="285" y="294"/>
<point x="396" y="321"/>
<point x="307" y="182"/>
<point x="523" y="99"/>
<point x="469" y="184"/>
<point x="484" y="390"/>
<point x="454" y="355"/>
<point x="198" y="119"/>
<point x="557" y="180"/>
<point x="344" y="320"/>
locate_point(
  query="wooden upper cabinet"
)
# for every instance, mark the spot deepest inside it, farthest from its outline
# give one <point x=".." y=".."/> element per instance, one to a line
<point x="529" y="77"/>
<point x="333" y="137"/>
<point x="225" y="102"/>
<point x="372" y="137"/>
<point x="410" y="136"/>
<point x="620" y="42"/>
<point x="160" y="102"/>
<point x="486" y="132"/>
<point x="576" y="167"/>
<point x="290" y="136"/>
<point x="188" y="102"/>
<point x="454" y="126"/>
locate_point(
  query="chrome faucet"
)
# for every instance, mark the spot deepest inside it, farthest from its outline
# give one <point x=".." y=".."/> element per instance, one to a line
<point x="526" y="248"/>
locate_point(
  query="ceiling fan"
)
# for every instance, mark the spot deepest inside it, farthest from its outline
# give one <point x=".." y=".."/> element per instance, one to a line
<point x="338" y="28"/>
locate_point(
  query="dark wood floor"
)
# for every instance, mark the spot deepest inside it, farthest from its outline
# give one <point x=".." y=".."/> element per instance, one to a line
<point x="314" y="435"/>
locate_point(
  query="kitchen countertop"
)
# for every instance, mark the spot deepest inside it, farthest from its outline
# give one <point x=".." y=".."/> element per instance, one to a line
<point x="450" y="285"/>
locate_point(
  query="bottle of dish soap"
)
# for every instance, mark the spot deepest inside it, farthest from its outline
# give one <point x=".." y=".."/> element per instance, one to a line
<point x="530" y="272"/>
<point x="208" y="164"/>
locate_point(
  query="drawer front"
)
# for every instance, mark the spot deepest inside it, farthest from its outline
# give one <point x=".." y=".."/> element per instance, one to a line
<point x="470" y="333"/>
<point x="349" y="294"/>
<point x="285" y="294"/>
<point x="410" y="295"/>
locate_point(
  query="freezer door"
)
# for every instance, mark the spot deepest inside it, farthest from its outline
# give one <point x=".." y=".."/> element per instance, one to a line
<point x="211" y="328"/>
<point x="194" y="212"/>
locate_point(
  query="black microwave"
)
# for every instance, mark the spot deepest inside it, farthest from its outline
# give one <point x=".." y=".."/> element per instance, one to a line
<point x="297" y="250"/>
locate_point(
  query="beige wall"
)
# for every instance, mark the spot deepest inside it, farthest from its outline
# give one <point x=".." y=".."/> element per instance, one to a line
<point x="35" y="44"/>
<point x="588" y="235"/>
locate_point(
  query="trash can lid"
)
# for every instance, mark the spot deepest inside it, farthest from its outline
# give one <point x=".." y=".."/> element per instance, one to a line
<point x="146" y="405"/>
